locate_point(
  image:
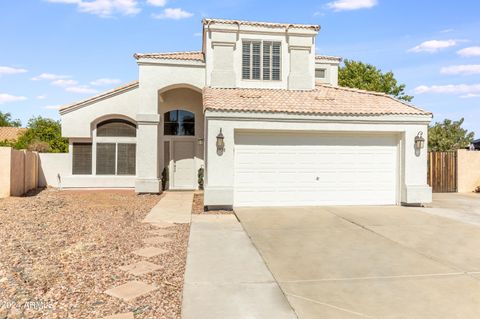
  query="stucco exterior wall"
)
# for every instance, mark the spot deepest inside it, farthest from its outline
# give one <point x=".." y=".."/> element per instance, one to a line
<point x="331" y="72"/>
<point x="125" y="104"/>
<point x="157" y="77"/>
<point x="52" y="168"/>
<point x="220" y="169"/>
<point x="468" y="171"/>
<point x="223" y="45"/>
<point x="18" y="171"/>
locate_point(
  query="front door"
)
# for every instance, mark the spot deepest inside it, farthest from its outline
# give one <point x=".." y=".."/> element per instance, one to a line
<point x="184" y="176"/>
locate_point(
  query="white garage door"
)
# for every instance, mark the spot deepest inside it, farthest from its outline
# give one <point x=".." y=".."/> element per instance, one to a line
<point x="312" y="170"/>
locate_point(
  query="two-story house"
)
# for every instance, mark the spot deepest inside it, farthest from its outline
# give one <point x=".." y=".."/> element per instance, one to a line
<point x="262" y="114"/>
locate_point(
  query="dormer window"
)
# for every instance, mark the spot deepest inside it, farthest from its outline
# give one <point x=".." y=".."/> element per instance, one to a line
<point x="261" y="60"/>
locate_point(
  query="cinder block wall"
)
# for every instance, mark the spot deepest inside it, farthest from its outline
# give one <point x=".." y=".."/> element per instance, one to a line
<point x="468" y="170"/>
<point x="18" y="171"/>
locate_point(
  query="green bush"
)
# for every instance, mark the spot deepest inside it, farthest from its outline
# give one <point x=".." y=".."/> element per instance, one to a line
<point x="165" y="178"/>
<point x="201" y="172"/>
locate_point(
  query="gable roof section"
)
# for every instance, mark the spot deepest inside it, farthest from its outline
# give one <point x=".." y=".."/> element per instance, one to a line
<point x="315" y="27"/>
<point x="183" y="56"/>
<point x="323" y="100"/>
<point x="101" y="96"/>
<point x="11" y="133"/>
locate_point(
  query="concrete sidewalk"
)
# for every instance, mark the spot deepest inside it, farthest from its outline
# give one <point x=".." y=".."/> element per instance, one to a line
<point x="225" y="277"/>
<point x="174" y="207"/>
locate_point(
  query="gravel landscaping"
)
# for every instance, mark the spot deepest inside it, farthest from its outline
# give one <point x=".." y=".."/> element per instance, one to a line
<point x="198" y="206"/>
<point x="60" y="250"/>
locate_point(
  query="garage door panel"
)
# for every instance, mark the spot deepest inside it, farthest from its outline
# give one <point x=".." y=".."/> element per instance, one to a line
<point x="302" y="170"/>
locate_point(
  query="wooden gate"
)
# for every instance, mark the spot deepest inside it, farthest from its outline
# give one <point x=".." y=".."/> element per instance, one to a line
<point x="442" y="171"/>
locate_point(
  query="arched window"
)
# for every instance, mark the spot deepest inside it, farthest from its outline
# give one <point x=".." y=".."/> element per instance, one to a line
<point x="116" y="147"/>
<point x="179" y="123"/>
<point x="116" y="128"/>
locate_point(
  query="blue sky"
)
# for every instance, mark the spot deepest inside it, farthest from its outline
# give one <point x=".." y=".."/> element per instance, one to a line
<point x="54" y="52"/>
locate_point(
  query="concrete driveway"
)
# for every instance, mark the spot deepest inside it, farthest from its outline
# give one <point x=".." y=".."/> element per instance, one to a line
<point x="369" y="262"/>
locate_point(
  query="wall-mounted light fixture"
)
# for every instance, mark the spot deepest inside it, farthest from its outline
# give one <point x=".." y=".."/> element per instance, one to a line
<point x="220" y="143"/>
<point x="419" y="141"/>
<point x="200" y="141"/>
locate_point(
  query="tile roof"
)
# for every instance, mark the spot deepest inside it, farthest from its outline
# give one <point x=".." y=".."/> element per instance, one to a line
<point x="190" y="56"/>
<point x="11" y="133"/>
<point x="315" y="27"/>
<point x="324" y="99"/>
<point x="328" y="57"/>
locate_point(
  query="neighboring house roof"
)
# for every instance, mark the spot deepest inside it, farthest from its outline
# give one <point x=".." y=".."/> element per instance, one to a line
<point x="325" y="99"/>
<point x="315" y="27"/>
<point x="104" y="95"/>
<point x="190" y="56"/>
<point x="11" y="133"/>
<point x="328" y="57"/>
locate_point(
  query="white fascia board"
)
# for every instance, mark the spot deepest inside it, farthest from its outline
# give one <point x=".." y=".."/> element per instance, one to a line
<point x="264" y="116"/>
<point x="170" y="62"/>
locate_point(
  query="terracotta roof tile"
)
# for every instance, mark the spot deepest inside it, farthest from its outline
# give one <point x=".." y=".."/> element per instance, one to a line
<point x="11" y="133"/>
<point x="315" y="27"/>
<point x="324" y="99"/>
<point x="190" y="56"/>
<point x="328" y="57"/>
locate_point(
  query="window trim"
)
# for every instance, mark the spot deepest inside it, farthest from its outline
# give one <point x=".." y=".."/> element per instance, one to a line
<point x="261" y="60"/>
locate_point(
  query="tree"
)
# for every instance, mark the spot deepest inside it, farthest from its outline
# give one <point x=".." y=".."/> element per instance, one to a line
<point x="356" y="74"/>
<point x="43" y="134"/>
<point x="448" y="136"/>
<point x="6" y="120"/>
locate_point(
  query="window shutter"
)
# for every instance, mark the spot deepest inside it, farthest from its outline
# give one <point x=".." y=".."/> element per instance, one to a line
<point x="106" y="158"/>
<point x="82" y="159"/>
<point x="256" y="60"/>
<point x="126" y="159"/>
<point x="267" y="47"/>
<point x="246" y="60"/>
<point x="276" y="54"/>
<point x="261" y="60"/>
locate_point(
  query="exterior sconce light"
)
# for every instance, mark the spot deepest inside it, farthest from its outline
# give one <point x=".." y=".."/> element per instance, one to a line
<point x="200" y="141"/>
<point x="419" y="141"/>
<point x="220" y="143"/>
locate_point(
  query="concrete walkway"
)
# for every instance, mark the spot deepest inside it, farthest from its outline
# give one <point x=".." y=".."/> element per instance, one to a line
<point x="174" y="207"/>
<point x="225" y="277"/>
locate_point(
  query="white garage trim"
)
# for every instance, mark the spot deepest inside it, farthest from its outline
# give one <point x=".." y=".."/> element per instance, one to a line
<point x="315" y="169"/>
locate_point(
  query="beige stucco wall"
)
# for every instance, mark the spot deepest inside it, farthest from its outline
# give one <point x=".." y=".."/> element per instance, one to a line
<point x="5" y="158"/>
<point x="52" y="168"/>
<point x="468" y="170"/>
<point x="18" y="171"/>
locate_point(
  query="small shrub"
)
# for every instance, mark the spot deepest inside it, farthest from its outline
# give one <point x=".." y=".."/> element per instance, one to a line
<point x="165" y="178"/>
<point x="477" y="190"/>
<point x="201" y="172"/>
<point x="39" y="146"/>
